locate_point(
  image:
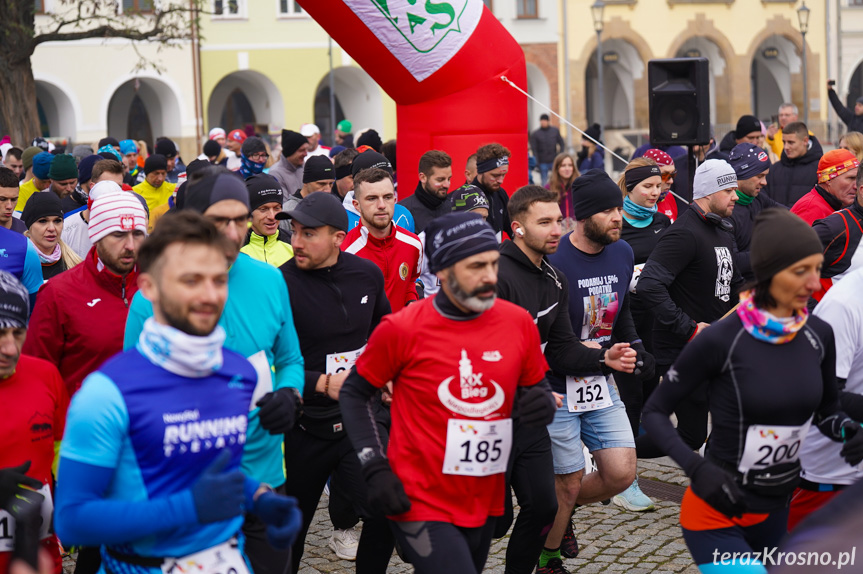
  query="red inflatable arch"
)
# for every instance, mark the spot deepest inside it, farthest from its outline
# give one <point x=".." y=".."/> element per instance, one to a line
<point x="441" y="61"/>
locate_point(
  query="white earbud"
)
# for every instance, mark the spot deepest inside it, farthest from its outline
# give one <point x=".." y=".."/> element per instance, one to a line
<point x="519" y="232"/>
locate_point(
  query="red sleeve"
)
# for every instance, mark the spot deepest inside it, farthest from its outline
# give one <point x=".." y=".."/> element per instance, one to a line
<point x="45" y="330"/>
<point x="385" y="354"/>
<point x="534" y="367"/>
<point x="61" y="398"/>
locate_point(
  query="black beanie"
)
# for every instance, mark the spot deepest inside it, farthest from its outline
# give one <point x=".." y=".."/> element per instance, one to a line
<point x="780" y="239"/>
<point x="747" y="125"/>
<point x="318" y="167"/>
<point x="372" y="139"/>
<point x="263" y="189"/>
<point x="42" y="204"/>
<point x="214" y="188"/>
<point x="456" y="236"/>
<point x="196" y="165"/>
<point x="593" y="193"/>
<point x="368" y="160"/>
<point x="212" y="148"/>
<point x="253" y="145"/>
<point x="154" y="163"/>
<point x="594" y="131"/>
<point x="166" y="148"/>
<point x="108" y="141"/>
<point x="292" y="141"/>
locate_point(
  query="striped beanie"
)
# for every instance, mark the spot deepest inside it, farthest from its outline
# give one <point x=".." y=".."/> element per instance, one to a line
<point x="116" y="212"/>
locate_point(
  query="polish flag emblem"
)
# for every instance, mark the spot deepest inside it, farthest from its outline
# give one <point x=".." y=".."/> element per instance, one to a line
<point x="127" y="222"/>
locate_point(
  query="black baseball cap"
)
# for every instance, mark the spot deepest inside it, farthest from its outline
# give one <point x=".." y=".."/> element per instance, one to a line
<point x="318" y="209"/>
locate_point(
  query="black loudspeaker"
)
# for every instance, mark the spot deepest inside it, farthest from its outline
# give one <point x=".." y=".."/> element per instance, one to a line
<point x="679" y="101"/>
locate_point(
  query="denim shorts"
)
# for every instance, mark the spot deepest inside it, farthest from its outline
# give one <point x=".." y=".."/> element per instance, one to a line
<point x="605" y="428"/>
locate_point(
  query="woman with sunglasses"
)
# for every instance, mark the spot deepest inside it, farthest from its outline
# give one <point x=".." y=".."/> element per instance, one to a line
<point x="770" y="372"/>
<point x="643" y="225"/>
<point x="667" y="203"/>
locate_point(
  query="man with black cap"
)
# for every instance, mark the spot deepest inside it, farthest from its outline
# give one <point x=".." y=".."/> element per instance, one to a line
<point x="318" y="175"/>
<point x="545" y="143"/>
<point x="261" y="328"/>
<point x="748" y="130"/>
<point x="289" y="170"/>
<point x="691" y="280"/>
<point x="167" y="148"/>
<point x="752" y="165"/>
<point x="492" y="165"/>
<point x="441" y="478"/>
<point x="338" y="299"/>
<point x="155" y="188"/>
<point x="796" y="172"/>
<point x="852" y="118"/>
<point x="265" y="241"/>
<point x="429" y="199"/>
<point x="344" y="177"/>
<point x="397" y="251"/>
<point x="526" y="278"/>
<point x="34" y="416"/>
<point x="367" y="160"/>
<point x="598" y="269"/>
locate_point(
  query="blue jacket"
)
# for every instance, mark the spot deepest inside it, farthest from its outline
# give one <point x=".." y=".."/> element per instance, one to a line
<point x="18" y="256"/>
<point x="259" y="325"/>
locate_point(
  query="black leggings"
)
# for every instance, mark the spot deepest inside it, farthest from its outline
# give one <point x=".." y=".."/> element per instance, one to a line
<point x="531" y="473"/>
<point x="443" y="548"/>
<point x="310" y="461"/>
<point x="691" y="422"/>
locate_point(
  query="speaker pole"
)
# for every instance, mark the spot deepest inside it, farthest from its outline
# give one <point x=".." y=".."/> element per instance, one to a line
<point x="691" y="160"/>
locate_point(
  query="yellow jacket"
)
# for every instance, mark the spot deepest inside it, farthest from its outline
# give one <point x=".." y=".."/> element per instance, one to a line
<point x="24" y="192"/>
<point x="273" y="249"/>
<point x="155" y="196"/>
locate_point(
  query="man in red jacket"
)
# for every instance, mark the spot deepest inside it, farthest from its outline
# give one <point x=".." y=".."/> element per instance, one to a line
<point x="80" y="317"/>
<point x="397" y="251"/>
<point x="836" y="187"/>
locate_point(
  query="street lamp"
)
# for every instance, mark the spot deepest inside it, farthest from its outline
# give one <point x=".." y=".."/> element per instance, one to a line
<point x="803" y="20"/>
<point x="597" y="10"/>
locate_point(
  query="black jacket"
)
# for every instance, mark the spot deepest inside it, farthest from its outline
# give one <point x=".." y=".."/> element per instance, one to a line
<point x="546" y="143"/>
<point x="840" y="234"/>
<point x="424" y="207"/>
<point x="689" y="278"/>
<point x="743" y="218"/>
<point x="791" y="179"/>
<point x="847" y="115"/>
<point x="545" y="294"/>
<point x="498" y="215"/>
<point x="335" y="311"/>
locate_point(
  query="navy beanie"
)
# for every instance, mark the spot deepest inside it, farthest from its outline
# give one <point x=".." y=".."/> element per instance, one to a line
<point x="456" y="236"/>
<point x="748" y="160"/>
<point x="594" y="192"/>
<point x="85" y="168"/>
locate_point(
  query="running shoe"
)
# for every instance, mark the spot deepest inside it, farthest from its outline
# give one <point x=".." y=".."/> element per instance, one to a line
<point x="569" y="544"/>
<point x="553" y="566"/>
<point x="344" y="543"/>
<point x="633" y="499"/>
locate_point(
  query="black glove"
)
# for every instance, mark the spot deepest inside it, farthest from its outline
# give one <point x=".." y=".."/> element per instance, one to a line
<point x="279" y="410"/>
<point x="852" y="449"/>
<point x="11" y="480"/>
<point x="718" y="489"/>
<point x="536" y="405"/>
<point x="645" y="364"/>
<point x="385" y="490"/>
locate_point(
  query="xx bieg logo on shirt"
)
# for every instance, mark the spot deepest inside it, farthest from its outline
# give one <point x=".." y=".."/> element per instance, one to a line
<point x="724" y="273"/>
<point x="41" y="427"/>
<point x="468" y="394"/>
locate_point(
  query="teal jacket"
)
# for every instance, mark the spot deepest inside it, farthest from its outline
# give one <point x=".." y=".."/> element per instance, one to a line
<point x="259" y="325"/>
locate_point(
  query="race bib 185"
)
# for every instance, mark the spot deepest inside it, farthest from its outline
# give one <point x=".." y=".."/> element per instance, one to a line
<point x="477" y="448"/>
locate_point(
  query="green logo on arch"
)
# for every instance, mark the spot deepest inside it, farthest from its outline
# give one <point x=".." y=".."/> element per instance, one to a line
<point x="423" y="23"/>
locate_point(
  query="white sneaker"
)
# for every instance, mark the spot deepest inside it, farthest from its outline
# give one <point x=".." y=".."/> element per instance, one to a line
<point x="344" y="543"/>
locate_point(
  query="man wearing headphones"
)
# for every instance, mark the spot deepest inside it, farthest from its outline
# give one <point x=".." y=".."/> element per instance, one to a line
<point x="690" y="281"/>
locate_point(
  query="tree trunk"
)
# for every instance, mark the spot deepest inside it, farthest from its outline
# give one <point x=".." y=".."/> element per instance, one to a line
<point x="18" y="113"/>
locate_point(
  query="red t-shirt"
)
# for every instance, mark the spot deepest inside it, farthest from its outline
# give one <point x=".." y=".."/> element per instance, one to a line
<point x="33" y="404"/>
<point x="429" y="358"/>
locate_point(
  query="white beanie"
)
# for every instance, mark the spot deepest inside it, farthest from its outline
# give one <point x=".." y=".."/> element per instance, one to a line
<point x="116" y="212"/>
<point x="217" y="132"/>
<point x="711" y="176"/>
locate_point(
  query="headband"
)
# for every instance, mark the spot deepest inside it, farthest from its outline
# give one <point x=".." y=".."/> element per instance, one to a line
<point x="491" y="164"/>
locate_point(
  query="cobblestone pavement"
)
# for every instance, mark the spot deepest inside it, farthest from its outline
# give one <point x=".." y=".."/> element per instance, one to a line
<point x="611" y="539"/>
